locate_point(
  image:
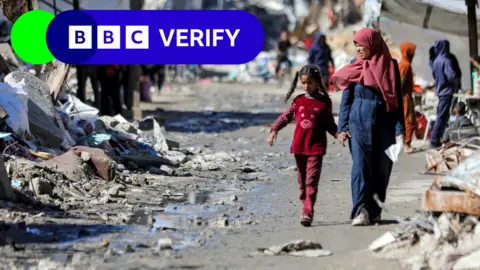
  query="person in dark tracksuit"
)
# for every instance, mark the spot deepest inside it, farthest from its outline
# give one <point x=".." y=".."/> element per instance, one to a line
<point x="371" y="117"/>
<point x="447" y="82"/>
<point x="110" y="82"/>
<point x="321" y="55"/>
<point x="89" y="71"/>
<point x="282" y="52"/>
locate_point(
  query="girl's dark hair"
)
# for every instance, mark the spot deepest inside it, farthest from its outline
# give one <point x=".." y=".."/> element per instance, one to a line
<point x="312" y="72"/>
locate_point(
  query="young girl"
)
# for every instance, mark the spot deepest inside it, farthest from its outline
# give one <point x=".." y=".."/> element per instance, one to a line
<point x="313" y="114"/>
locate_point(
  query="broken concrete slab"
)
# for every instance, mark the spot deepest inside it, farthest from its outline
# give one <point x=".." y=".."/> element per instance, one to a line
<point x="41" y="110"/>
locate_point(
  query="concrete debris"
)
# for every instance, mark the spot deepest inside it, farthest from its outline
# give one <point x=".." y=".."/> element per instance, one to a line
<point x="164" y="244"/>
<point x="447" y="235"/>
<point x="40" y="186"/>
<point x="299" y="248"/>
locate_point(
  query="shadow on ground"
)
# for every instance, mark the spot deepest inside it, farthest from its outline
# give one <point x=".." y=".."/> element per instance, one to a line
<point x="211" y="121"/>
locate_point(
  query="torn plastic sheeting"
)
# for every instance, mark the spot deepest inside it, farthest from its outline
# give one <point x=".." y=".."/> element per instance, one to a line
<point x="466" y="176"/>
<point x="78" y="110"/>
<point x="14" y="99"/>
<point x="153" y="133"/>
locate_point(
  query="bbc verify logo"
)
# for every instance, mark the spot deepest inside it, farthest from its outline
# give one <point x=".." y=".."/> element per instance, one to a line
<point x="140" y="37"/>
<point x="108" y="37"/>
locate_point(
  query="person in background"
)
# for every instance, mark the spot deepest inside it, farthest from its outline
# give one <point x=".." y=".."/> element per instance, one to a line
<point x="447" y="81"/>
<point x="406" y="76"/>
<point x="314" y="118"/>
<point x="321" y="55"/>
<point x="371" y="13"/>
<point x="371" y="118"/>
<point x="431" y="57"/>
<point x="282" y="51"/>
<point x="89" y="71"/>
<point x="461" y="121"/>
<point x="110" y="82"/>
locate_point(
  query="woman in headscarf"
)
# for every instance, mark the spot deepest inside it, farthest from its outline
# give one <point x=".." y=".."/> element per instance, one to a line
<point x="371" y="118"/>
<point x="406" y="77"/>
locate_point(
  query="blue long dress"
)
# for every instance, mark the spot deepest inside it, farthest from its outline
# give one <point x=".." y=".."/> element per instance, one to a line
<point x="373" y="129"/>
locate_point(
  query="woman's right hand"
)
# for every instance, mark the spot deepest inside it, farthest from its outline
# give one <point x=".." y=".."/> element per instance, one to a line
<point x="272" y="138"/>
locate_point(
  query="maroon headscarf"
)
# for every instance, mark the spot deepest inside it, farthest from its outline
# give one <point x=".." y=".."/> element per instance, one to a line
<point x="378" y="71"/>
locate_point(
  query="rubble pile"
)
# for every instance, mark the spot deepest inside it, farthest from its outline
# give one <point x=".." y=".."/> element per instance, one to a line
<point x="447" y="234"/>
<point x="56" y="149"/>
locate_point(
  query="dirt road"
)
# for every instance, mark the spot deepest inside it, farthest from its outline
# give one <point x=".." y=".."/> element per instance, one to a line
<point x="254" y="189"/>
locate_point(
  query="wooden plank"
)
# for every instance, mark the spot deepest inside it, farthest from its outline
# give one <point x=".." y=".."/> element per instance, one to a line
<point x="451" y="201"/>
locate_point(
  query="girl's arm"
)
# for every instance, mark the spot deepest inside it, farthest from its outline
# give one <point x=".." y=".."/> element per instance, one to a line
<point x="400" y="118"/>
<point x="331" y="125"/>
<point x="284" y="119"/>
<point x="345" y="105"/>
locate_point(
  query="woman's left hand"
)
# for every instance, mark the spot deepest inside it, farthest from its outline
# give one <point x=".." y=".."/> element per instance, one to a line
<point x="399" y="137"/>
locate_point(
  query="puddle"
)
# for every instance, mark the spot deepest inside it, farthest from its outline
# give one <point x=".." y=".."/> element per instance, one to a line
<point x="182" y="220"/>
<point x="66" y="233"/>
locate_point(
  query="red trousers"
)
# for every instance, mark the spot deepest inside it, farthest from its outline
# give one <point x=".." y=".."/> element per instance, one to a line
<point x="309" y="170"/>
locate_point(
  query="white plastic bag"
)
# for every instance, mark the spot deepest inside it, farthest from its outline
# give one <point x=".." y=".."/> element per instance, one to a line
<point x="14" y="100"/>
<point x="394" y="150"/>
<point x="78" y="110"/>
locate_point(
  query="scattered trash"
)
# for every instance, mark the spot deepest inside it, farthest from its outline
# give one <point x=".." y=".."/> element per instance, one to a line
<point x="298" y="248"/>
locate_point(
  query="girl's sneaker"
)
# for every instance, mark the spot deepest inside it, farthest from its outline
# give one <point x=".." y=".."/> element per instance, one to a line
<point x="363" y="219"/>
<point x="306" y="221"/>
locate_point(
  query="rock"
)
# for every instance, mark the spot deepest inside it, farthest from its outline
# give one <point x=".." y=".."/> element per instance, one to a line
<point x="132" y="166"/>
<point x="477" y="229"/>
<point x="121" y="168"/>
<point x="291" y="169"/>
<point x="248" y="170"/>
<point x="85" y="156"/>
<point x="6" y="190"/>
<point x="221" y="222"/>
<point x="384" y="240"/>
<point x="154" y="170"/>
<point x="164" y="244"/>
<point x="48" y="264"/>
<point x="41" y="187"/>
<point x="176" y="157"/>
<point x="469" y="261"/>
<point x="79" y="259"/>
<point x="169" y="170"/>
<point x="60" y="258"/>
<point x="443" y="229"/>
<point x="116" y="191"/>
<point x="234" y="198"/>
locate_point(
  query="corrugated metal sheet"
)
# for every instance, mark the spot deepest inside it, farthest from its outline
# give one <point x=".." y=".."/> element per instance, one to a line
<point x="443" y="15"/>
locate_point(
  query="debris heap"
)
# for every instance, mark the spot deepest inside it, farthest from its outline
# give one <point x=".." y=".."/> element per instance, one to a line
<point x="447" y="234"/>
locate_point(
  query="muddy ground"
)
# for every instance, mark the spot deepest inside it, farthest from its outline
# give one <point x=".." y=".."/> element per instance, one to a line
<point x="217" y="218"/>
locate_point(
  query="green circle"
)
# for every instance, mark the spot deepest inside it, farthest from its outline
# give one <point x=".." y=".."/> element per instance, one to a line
<point x="29" y="37"/>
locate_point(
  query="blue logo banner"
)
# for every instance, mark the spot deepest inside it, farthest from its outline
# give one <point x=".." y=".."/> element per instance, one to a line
<point x="155" y="37"/>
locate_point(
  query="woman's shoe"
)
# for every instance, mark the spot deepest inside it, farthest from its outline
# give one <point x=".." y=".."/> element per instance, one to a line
<point x="376" y="220"/>
<point x="363" y="219"/>
<point x="306" y="221"/>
